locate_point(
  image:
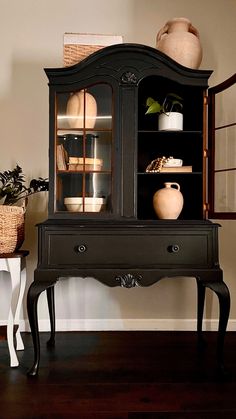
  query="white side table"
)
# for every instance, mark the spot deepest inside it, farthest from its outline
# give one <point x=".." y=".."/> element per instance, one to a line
<point x="15" y="264"/>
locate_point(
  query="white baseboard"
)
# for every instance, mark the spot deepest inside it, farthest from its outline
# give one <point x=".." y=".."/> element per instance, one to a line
<point x="67" y="325"/>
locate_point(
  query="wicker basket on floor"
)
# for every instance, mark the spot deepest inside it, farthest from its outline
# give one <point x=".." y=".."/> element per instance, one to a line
<point x="12" y="228"/>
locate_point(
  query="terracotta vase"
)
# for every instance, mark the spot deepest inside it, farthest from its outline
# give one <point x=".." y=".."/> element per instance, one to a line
<point x="180" y="40"/>
<point x="168" y="201"/>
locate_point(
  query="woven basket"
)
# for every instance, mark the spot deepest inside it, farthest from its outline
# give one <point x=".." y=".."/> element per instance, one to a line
<point x="12" y="228"/>
<point x="75" y="53"/>
<point x="79" y="46"/>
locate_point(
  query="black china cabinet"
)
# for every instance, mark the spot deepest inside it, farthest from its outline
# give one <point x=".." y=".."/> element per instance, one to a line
<point x="101" y="221"/>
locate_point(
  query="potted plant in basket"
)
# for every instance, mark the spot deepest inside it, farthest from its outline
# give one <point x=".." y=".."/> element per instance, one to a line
<point x="13" y="201"/>
<point x="170" y="112"/>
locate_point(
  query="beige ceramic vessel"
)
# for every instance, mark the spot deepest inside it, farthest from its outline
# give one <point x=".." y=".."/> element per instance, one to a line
<point x="180" y="40"/>
<point x="168" y="201"/>
<point x="81" y="110"/>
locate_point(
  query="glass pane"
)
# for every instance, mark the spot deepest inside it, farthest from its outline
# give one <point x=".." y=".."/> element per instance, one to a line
<point x="84" y="150"/>
<point x="225" y="191"/>
<point x="225" y="112"/>
<point x="103" y="95"/>
<point x="89" y="108"/>
<point x="91" y="151"/>
<point x="98" y="185"/>
<point x="101" y="150"/>
<point x="78" y="192"/>
<point x="68" y="186"/>
<point x="225" y="148"/>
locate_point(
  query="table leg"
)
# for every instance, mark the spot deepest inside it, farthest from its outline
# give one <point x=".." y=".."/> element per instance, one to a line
<point x="51" y="309"/>
<point x="35" y="289"/>
<point x="14" y="267"/>
<point x="222" y="292"/>
<point x="201" y="291"/>
<point x="19" y="341"/>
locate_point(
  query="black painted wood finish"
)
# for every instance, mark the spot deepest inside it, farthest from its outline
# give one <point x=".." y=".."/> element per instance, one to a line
<point x="126" y="245"/>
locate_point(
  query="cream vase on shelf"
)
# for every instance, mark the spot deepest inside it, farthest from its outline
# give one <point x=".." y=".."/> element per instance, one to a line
<point x="168" y="201"/>
<point x="81" y="110"/>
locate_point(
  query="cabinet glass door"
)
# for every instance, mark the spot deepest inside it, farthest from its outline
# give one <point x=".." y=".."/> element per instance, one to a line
<point x="83" y="150"/>
<point x="222" y="164"/>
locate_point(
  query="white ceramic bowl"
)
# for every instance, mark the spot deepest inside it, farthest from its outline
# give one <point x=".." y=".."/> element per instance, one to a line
<point x="75" y="204"/>
<point x="173" y="163"/>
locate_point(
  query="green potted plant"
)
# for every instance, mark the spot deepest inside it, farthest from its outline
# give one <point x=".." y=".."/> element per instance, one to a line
<point x="170" y="112"/>
<point x="13" y="189"/>
<point x="13" y="201"/>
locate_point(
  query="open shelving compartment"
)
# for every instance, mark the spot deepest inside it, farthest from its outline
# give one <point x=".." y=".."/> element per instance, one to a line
<point x="187" y="145"/>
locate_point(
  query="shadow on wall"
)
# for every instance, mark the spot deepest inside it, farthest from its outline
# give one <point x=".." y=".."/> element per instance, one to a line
<point x="153" y="15"/>
<point x="86" y="299"/>
<point x="24" y="134"/>
<point x="24" y="120"/>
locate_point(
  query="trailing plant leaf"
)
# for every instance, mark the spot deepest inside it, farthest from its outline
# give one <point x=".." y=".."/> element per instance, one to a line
<point x="171" y="103"/>
<point x="153" y="106"/>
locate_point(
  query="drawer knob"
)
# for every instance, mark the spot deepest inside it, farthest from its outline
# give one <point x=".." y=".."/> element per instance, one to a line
<point x="174" y="248"/>
<point x="81" y="248"/>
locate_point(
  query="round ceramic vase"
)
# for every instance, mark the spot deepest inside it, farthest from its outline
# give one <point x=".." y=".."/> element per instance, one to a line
<point x="179" y="39"/>
<point x="168" y="201"/>
<point x="81" y="110"/>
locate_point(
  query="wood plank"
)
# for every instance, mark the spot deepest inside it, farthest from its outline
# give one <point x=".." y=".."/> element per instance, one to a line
<point x="120" y="375"/>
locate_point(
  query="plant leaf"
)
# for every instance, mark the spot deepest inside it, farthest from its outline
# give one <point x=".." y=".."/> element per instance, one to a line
<point x="13" y="188"/>
<point x="155" y="107"/>
<point x="169" y="95"/>
<point x="149" y="101"/>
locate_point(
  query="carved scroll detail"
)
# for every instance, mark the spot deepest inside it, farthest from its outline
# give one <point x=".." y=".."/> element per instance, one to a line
<point x="129" y="280"/>
<point x="129" y="78"/>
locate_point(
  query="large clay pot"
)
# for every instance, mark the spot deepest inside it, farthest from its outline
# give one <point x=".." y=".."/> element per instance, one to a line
<point x="180" y="40"/>
<point x="81" y="110"/>
<point x="168" y="201"/>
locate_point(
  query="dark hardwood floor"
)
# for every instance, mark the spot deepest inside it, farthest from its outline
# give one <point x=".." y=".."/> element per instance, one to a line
<point x="118" y="375"/>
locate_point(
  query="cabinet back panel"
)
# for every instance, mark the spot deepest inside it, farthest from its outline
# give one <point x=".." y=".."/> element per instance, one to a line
<point x="190" y="186"/>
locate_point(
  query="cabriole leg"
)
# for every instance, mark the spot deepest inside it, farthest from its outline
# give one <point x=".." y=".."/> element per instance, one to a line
<point x="51" y="309"/>
<point x="32" y="304"/>
<point x="222" y="292"/>
<point x="201" y="291"/>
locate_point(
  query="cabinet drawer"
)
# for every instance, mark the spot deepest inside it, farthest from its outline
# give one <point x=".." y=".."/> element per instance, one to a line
<point x="130" y="250"/>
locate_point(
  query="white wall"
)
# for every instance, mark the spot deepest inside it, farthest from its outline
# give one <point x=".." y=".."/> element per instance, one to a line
<point x="32" y="38"/>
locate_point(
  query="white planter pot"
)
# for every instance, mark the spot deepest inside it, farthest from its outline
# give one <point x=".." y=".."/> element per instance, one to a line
<point x="170" y="121"/>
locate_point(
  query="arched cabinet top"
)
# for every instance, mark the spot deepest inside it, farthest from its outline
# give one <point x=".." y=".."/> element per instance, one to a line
<point x="128" y="64"/>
